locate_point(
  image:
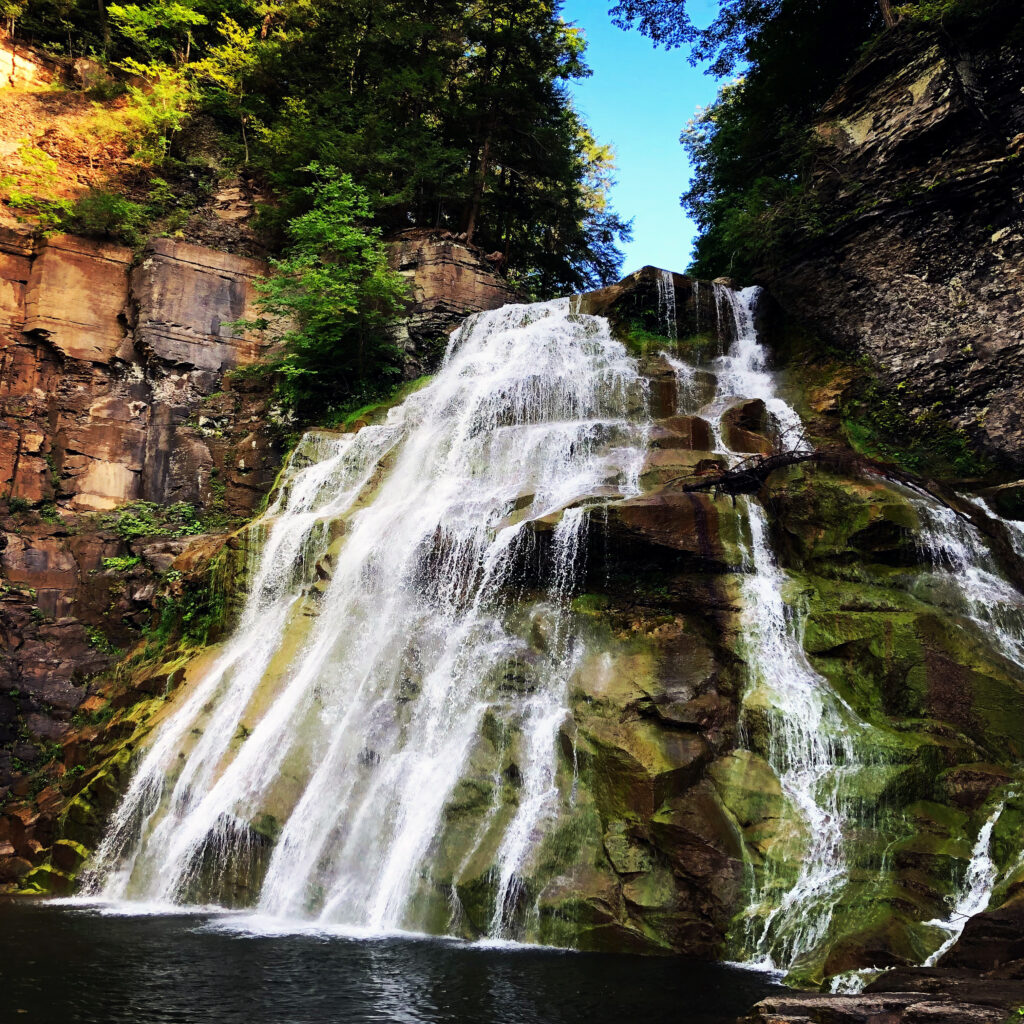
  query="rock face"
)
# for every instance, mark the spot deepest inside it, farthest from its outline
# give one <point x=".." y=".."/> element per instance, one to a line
<point x="447" y="280"/>
<point x="103" y="363"/>
<point x="678" y="817"/>
<point x="124" y="438"/>
<point x="919" y="262"/>
<point x="116" y="425"/>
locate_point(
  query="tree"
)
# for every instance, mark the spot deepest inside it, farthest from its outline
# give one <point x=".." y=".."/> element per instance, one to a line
<point x="227" y="70"/>
<point x="331" y="299"/>
<point x="751" y="149"/>
<point x="161" y="30"/>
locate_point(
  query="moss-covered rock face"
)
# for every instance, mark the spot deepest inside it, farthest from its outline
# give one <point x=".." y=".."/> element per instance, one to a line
<point x="935" y="693"/>
<point x="665" y="817"/>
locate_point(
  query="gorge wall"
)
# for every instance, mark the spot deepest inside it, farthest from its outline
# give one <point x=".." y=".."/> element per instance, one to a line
<point x="130" y="440"/>
<point x="916" y="261"/>
<point x="676" y="817"/>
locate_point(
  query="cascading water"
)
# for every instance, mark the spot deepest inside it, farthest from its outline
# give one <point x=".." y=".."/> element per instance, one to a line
<point x="968" y="576"/>
<point x="313" y="763"/>
<point x="407" y="634"/>
<point x="810" y="730"/>
<point x="976" y="890"/>
<point x="667" y="303"/>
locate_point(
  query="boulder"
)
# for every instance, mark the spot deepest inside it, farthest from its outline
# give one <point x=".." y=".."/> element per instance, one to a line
<point x="746" y="427"/>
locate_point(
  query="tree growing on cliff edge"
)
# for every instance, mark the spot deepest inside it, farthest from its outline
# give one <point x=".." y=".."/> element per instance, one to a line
<point x="753" y="148"/>
<point x="330" y="300"/>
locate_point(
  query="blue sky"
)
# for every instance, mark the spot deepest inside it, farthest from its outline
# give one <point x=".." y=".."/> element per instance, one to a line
<point x="639" y="99"/>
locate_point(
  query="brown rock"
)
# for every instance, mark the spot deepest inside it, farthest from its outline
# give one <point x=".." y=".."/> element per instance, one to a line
<point x="76" y="295"/>
<point x="745" y="428"/>
<point x="690" y="432"/>
<point x="185" y="298"/>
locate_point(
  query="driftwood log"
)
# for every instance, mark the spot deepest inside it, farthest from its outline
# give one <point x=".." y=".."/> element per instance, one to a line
<point x="748" y="476"/>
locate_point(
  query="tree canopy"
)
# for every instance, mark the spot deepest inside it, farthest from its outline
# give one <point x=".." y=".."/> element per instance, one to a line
<point x="753" y="148"/>
<point x="449" y="113"/>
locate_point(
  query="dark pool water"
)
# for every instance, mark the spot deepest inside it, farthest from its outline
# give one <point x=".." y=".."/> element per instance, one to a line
<point x="63" y="965"/>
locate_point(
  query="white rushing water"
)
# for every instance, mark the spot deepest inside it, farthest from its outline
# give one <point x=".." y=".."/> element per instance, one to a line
<point x="348" y="703"/>
<point x="976" y="890"/>
<point x="810" y="729"/>
<point x="398" y="572"/>
<point x="968" y="576"/>
<point x="667" y="303"/>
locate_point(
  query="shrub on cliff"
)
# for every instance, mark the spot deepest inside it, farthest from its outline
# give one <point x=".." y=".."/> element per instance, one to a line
<point x="330" y="300"/>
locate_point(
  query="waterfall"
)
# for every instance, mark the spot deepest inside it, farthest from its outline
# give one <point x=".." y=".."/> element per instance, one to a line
<point x="667" y="303"/>
<point x="968" y="576"/>
<point x="811" y="730"/>
<point x="310" y="770"/>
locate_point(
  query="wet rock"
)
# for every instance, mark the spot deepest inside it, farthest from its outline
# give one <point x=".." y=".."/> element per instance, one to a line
<point x="990" y="940"/>
<point x="688" y="432"/>
<point x="746" y="427"/>
<point x="690" y="526"/>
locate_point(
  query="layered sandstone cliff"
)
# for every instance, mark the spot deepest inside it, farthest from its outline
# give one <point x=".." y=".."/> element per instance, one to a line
<point x="125" y="439"/>
<point x="917" y="260"/>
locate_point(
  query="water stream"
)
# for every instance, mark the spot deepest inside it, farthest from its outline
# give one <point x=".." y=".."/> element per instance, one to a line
<point x="810" y="730"/>
<point x="976" y="889"/>
<point x="311" y="765"/>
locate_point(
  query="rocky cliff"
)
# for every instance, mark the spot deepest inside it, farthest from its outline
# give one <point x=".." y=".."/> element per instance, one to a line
<point x="916" y="261"/>
<point x="131" y="437"/>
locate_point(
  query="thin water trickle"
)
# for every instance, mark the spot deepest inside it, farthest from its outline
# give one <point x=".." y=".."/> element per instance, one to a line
<point x="976" y="890"/>
<point x="667" y="303"/>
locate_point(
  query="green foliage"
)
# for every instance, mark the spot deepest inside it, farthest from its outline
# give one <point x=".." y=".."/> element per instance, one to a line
<point x="191" y="611"/>
<point x="159" y="108"/>
<point x="121" y="563"/>
<point x="104" y="214"/>
<point x="331" y="300"/>
<point x="753" y="148"/>
<point x="159" y="29"/>
<point x="451" y="114"/>
<point x="18" y="506"/>
<point x="878" y="424"/>
<point x="147" y="519"/>
<point x="98" y="639"/>
<point x="11" y="10"/>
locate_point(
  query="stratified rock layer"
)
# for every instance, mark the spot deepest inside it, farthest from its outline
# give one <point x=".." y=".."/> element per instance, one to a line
<point x="918" y="263"/>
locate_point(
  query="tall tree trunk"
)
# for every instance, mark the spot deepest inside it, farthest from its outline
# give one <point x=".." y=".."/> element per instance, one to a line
<point x="478" y="188"/>
<point x="101" y="7"/>
<point x="887" y="15"/>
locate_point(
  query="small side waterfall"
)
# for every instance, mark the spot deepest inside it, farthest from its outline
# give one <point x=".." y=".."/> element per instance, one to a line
<point x="810" y="730"/>
<point x="969" y="577"/>
<point x="311" y="766"/>
<point x="976" y="890"/>
<point x="667" y="303"/>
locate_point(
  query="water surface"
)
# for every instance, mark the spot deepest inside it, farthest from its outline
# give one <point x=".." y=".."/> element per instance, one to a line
<point x="70" y="965"/>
